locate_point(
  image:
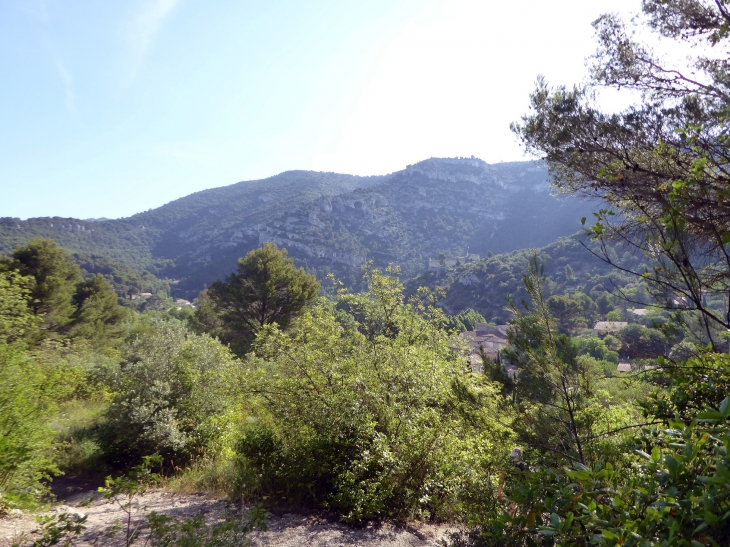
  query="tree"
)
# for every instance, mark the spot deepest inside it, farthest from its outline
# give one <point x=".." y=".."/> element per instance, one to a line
<point x="604" y="303"/>
<point x="55" y="277"/>
<point x="567" y="311"/>
<point x="465" y="320"/>
<point x="98" y="315"/>
<point x="560" y="416"/>
<point x="662" y="163"/>
<point x="173" y="398"/>
<point x="640" y="342"/>
<point x="266" y="289"/>
<point x="662" y="166"/>
<point x="26" y="396"/>
<point x="15" y="315"/>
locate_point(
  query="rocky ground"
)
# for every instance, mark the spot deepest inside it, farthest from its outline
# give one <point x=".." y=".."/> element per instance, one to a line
<point x="106" y="523"/>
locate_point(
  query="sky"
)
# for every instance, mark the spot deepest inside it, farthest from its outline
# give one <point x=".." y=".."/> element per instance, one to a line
<point x="111" y="108"/>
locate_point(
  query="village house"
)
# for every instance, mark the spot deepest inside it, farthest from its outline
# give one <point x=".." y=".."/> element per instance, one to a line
<point x="602" y="328"/>
<point x="490" y="339"/>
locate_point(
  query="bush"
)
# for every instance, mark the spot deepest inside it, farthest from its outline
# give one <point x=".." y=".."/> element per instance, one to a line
<point x="173" y="399"/>
<point x="26" y="400"/>
<point x="372" y="422"/>
<point x="29" y="388"/>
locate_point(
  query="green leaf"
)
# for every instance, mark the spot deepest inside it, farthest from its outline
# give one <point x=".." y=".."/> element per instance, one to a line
<point x="710" y="416"/>
<point x="555" y="520"/>
<point x="583" y="223"/>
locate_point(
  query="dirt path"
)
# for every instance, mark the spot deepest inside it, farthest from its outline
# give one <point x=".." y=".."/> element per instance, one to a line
<point x="286" y="530"/>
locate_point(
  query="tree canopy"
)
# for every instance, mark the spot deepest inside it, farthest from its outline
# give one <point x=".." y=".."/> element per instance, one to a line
<point x="662" y="163"/>
<point x="266" y="289"/>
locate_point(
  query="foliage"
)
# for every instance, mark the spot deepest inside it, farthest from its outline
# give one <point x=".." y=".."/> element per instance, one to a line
<point x="266" y="289"/>
<point x="15" y="316"/>
<point x="567" y="312"/>
<point x="596" y="348"/>
<point x="28" y="389"/>
<point x="55" y="277"/>
<point x="173" y="398"/>
<point x="485" y="284"/>
<point x="26" y="400"/>
<point x="98" y="318"/>
<point x="465" y="320"/>
<point x="61" y="529"/>
<point x="676" y="492"/>
<point x="561" y="414"/>
<point x="661" y="167"/>
<point x="640" y="342"/>
<point x="64" y="305"/>
<point x="370" y="423"/>
<point x="660" y="164"/>
<point x="125" y="279"/>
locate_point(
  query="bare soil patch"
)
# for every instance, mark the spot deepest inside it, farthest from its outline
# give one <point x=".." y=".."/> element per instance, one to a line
<point x="287" y="530"/>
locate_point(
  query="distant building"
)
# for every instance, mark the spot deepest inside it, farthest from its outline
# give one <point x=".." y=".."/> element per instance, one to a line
<point x="490" y="339"/>
<point x="640" y="311"/>
<point x="623" y="368"/>
<point x="602" y="328"/>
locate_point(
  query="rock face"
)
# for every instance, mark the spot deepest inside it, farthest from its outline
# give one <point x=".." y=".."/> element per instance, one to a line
<point x="330" y="223"/>
<point x="446" y="207"/>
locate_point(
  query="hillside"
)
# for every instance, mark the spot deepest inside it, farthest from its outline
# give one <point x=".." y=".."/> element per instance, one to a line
<point x="141" y="240"/>
<point x="329" y="222"/>
<point x="485" y="285"/>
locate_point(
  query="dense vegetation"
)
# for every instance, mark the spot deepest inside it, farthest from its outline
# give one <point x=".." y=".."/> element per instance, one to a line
<point x="364" y="403"/>
<point x="661" y="168"/>
<point x="483" y="285"/>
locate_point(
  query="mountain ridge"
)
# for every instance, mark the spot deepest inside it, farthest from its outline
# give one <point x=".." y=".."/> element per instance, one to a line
<point x="329" y="222"/>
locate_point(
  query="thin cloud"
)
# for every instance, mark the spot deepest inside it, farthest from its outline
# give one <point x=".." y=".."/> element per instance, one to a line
<point x="68" y="82"/>
<point x="142" y="30"/>
<point x="38" y="15"/>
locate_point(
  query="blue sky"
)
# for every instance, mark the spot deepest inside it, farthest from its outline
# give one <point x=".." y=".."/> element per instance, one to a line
<point x="111" y="108"/>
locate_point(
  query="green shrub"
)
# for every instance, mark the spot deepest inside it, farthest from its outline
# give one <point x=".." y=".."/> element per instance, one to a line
<point x="174" y="398"/>
<point x="370" y="423"/>
<point x="28" y="391"/>
<point x="26" y="399"/>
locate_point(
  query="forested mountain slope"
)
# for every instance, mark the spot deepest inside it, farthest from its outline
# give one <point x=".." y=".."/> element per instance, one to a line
<point x="569" y="266"/>
<point x="143" y="240"/>
<point x="328" y="222"/>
